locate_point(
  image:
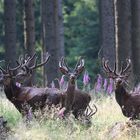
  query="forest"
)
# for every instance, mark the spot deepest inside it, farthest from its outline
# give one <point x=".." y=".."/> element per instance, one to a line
<point x="69" y="69"/>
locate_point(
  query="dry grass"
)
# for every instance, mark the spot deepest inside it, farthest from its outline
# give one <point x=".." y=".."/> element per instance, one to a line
<point x="55" y="129"/>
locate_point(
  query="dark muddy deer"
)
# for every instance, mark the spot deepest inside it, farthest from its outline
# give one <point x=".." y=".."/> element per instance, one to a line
<point x="28" y="65"/>
<point x="129" y="103"/>
<point x="23" y="97"/>
<point x="87" y="115"/>
<point x="75" y="100"/>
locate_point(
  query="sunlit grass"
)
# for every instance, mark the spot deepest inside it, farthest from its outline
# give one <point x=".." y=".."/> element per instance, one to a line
<point x="56" y="129"/>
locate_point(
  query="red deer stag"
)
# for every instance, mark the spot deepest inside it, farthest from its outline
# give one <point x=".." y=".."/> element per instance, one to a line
<point x="54" y="98"/>
<point x="129" y="103"/>
<point x="22" y="96"/>
<point x="75" y="100"/>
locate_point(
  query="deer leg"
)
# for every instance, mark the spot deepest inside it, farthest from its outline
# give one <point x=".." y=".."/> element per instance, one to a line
<point x="26" y="112"/>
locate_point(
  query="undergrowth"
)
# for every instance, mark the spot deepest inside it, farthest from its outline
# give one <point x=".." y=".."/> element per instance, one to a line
<point x="51" y="127"/>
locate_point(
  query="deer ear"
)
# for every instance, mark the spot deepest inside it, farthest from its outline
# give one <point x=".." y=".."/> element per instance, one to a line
<point x="63" y="66"/>
<point x="64" y="71"/>
<point x="80" y="70"/>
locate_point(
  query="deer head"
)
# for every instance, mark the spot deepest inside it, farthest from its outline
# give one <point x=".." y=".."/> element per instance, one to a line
<point x="72" y="74"/>
<point x="7" y="75"/>
<point x="87" y="115"/>
<point x="28" y="65"/>
<point x="119" y="77"/>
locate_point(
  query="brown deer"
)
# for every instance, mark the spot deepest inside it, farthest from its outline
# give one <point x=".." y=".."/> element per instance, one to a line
<point x="74" y="99"/>
<point x="87" y="115"/>
<point x="23" y="97"/>
<point x="54" y="98"/>
<point x="129" y="103"/>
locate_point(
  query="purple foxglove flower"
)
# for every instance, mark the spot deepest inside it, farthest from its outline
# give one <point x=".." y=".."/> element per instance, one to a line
<point x="86" y="78"/>
<point x="61" y="82"/>
<point x="99" y="83"/>
<point x="105" y="84"/>
<point x="52" y="84"/>
<point x="61" y="112"/>
<point x="110" y="86"/>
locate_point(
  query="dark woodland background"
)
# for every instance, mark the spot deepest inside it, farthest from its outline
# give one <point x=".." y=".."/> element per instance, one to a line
<point x="92" y="29"/>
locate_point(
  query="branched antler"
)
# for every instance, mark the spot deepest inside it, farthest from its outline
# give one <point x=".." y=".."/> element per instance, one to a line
<point x="124" y="72"/>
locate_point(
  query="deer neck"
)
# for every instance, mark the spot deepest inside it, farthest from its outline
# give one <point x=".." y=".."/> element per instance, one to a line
<point x="11" y="90"/>
<point x="71" y="86"/>
<point x="70" y="95"/>
<point x="120" y="94"/>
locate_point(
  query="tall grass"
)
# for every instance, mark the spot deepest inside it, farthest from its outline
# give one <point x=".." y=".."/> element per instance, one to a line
<point x="57" y="129"/>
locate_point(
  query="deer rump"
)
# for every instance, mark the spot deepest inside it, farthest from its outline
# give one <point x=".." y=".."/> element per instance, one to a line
<point x="131" y="106"/>
<point x="80" y="102"/>
<point x="35" y="98"/>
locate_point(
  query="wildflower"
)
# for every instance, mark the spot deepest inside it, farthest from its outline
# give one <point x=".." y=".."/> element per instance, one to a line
<point x="52" y="84"/>
<point x="86" y="78"/>
<point x="99" y="83"/>
<point x="105" y="84"/>
<point x="110" y="86"/>
<point x="61" y="82"/>
<point x="61" y="112"/>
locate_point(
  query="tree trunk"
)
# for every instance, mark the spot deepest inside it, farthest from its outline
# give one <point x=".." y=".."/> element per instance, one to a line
<point x="107" y="22"/>
<point x="123" y="32"/>
<point x="29" y="28"/>
<point x="10" y="31"/>
<point x="20" y="27"/>
<point x="60" y="27"/>
<point x="43" y="37"/>
<point x="54" y="37"/>
<point x="135" y="5"/>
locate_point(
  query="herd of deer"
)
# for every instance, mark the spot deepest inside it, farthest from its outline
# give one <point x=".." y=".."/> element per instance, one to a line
<point x="27" y="98"/>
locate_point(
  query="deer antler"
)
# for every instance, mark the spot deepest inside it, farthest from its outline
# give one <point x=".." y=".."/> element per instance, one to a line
<point x="41" y="64"/>
<point x="63" y="66"/>
<point x="65" y="69"/>
<point x="89" y="111"/>
<point x="79" y="66"/>
<point x="3" y="71"/>
<point x="29" y="59"/>
<point x="80" y="63"/>
<point x="111" y="73"/>
<point x="9" y="71"/>
<point x="124" y="72"/>
<point x="128" y="67"/>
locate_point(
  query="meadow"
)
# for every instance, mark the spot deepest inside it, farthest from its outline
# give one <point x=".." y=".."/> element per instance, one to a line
<point x="50" y="127"/>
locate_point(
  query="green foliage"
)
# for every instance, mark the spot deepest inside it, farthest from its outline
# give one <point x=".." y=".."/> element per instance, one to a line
<point x="1" y="29"/>
<point x="52" y="128"/>
<point x="81" y="22"/>
<point x="81" y="30"/>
